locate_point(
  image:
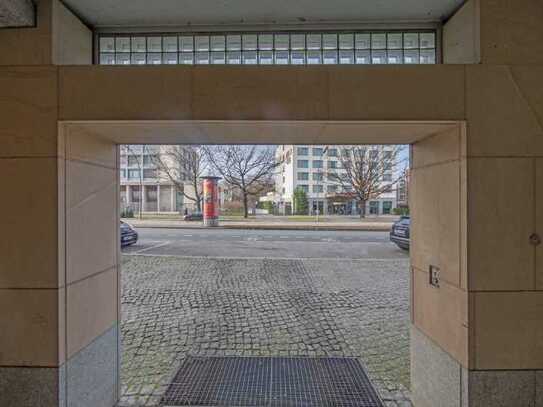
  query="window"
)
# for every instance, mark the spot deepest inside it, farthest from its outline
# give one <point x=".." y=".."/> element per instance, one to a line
<point x="387" y="207"/>
<point x="316" y="176"/>
<point x="332" y="164"/>
<point x="123" y="174"/>
<point x="318" y="152"/>
<point x="303" y="176"/>
<point x="332" y="152"/>
<point x="133" y="160"/>
<point x="133" y="174"/>
<point x="317" y="164"/>
<point x="387" y="177"/>
<point x="149" y="159"/>
<point x="317" y="188"/>
<point x="374" y="208"/>
<point x="388" y="188"/>
<point x="302" y="150"/>
<point x="304" y="188"/>
<point x="151" y="193"/>
<point x="331" y="188"/>
<point x="135" y="194"/>
<point x="149" y="173"/>
<point x="303" y="163"/>
<point x="295" y="48"/>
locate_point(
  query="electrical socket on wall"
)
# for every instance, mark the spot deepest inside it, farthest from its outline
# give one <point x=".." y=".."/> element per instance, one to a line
<point x="434" y="276"/>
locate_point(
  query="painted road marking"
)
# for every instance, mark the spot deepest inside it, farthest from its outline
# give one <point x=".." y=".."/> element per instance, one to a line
<point x="167" y="242"/>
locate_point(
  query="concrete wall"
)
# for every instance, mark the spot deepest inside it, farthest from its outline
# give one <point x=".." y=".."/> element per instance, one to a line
<point x="511" y="32"/>
<point x="440" y="316"/>
<point x="71" y="39"/>
<point x="32" y="290"/>
<point x="482" y="191"/>
<point x="92" y="269"/>
<point x="495" y="33"/>
<point x="58" y="38"/>
<point x="262" y="93"/>
<point x="504" y="112"/>
<point x="505" y="147"/>
<point x="29" y="46"/>
<point x="54" y="342"/>
<point x="462" y="35"/>
<point x="17" y="13"/>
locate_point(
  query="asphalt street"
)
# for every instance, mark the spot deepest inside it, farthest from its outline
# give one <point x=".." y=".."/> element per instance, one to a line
<point x="237" y="243"/>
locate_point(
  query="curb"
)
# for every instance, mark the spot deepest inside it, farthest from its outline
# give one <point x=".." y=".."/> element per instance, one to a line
<point x="272" y="227"/>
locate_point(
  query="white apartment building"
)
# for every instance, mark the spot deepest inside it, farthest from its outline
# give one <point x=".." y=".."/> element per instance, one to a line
<point x="144" y="187"/>
<point x="402" y="190"/>
<point x="306" y="167"/>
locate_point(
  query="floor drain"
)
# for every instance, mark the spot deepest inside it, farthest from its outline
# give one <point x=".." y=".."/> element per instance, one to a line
<point x="271" y="382"/>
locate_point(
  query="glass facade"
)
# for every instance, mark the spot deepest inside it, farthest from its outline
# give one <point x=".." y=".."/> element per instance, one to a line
<point x="294" y="48"/>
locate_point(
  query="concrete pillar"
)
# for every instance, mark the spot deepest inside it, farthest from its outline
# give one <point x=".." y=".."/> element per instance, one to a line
<point x="439" y="337"/>
<point x="92" y="270"/>
<point x="32" y="285"/>
<point x="53" y="306"/>
<point x="477" y="338"/>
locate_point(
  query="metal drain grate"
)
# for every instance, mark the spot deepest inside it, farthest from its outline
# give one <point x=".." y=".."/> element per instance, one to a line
<point x="271" y="382"/>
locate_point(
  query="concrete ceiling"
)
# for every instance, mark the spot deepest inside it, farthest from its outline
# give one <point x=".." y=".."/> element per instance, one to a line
<point x="153" y="13"/>
<point x="16" y="13"/>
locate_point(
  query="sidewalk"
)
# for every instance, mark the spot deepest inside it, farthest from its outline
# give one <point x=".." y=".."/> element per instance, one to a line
<point x="265" y="225"/>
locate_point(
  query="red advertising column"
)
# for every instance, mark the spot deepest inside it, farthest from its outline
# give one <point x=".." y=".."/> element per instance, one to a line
<point x="211" y="201"/>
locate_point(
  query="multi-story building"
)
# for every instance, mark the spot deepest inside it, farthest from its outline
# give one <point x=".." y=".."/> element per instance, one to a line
<point x="146" y="188"/>
<point x="402" y="190"/>
<point x="308" y="167"/>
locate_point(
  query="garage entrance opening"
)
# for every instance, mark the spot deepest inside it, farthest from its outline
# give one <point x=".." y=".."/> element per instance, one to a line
<point x="298" y="297"/>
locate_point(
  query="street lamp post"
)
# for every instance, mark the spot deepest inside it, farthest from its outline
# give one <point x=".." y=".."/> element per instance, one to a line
<point x="321" y="173"/>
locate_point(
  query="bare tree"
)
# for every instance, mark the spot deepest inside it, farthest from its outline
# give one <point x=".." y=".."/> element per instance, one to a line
<point x="369" y="171"/>
<point x="249" y="169"/>
<point x="182" y="165"/>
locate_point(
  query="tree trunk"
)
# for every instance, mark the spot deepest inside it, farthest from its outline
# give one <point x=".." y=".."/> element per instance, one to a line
<point x="198" y="202"/>
<point x="362" y="209"/>
<point x="245" y="204"/>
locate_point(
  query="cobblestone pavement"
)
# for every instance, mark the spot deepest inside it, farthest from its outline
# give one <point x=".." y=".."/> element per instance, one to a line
<point x="176" y="306"/>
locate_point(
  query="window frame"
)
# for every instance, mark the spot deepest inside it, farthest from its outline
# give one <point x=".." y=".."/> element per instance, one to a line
<point x="340" y="53"/>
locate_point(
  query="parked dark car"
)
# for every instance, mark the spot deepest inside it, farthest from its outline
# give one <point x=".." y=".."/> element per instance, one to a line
<point x="194" y="216"/>
<point x="128" y="235"/>
<point x="399" y="233"/>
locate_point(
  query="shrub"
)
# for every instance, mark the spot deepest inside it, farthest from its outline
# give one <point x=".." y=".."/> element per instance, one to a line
<point x="300" y="201"/>
<point x="402" y="211"/>
<point x="270" y="207"/>
<point x="127" y="212"/>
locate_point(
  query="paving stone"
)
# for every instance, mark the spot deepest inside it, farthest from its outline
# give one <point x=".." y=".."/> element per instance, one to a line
<point x="178" y="306"/>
